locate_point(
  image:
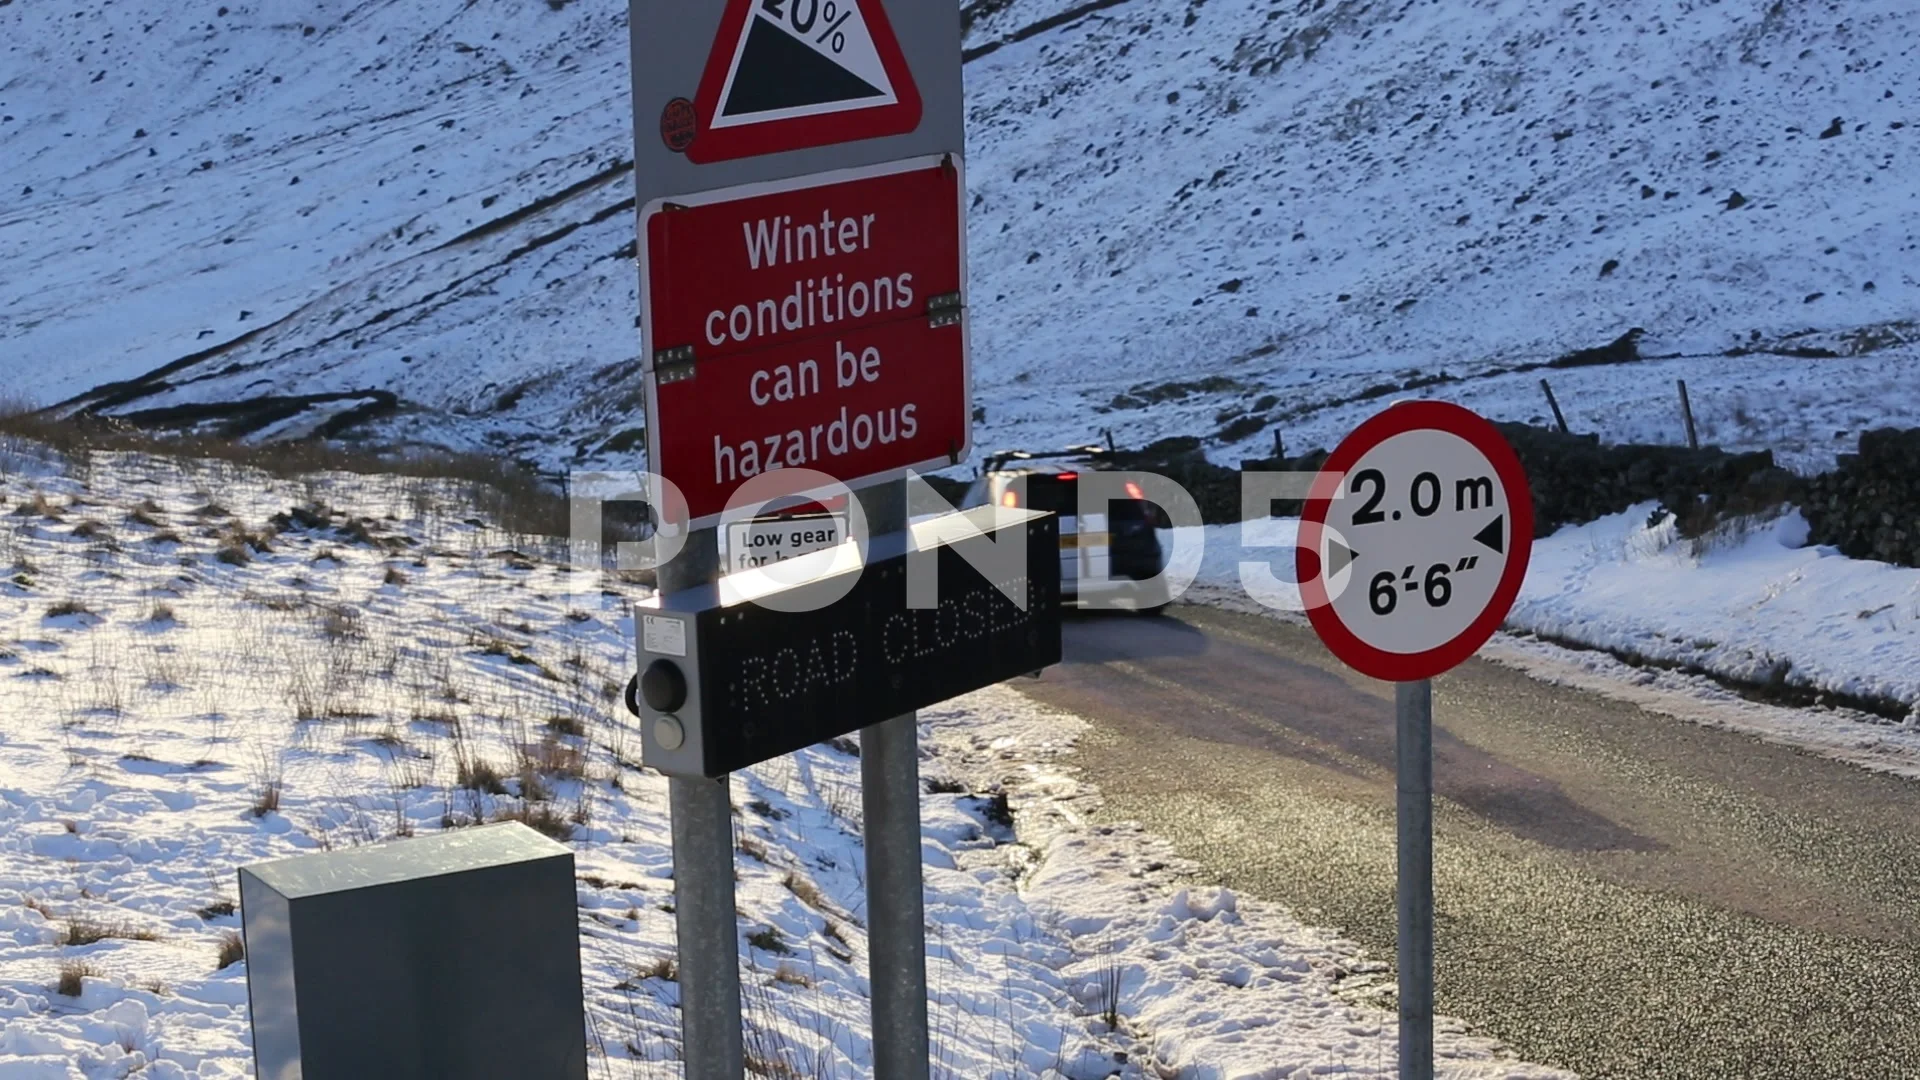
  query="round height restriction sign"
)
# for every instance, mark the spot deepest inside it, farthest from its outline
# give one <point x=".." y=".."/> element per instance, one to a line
<point x="1414" y="541"/>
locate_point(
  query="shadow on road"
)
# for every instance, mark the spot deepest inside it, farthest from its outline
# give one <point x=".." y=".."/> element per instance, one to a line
<point x="1161" y="673"/>
<point x="1099" y="637"/>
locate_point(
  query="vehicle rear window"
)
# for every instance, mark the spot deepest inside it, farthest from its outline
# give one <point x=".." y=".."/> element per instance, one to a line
<point x="1051" y="494"/>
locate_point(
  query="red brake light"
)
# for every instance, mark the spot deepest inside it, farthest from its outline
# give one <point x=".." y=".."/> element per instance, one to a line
<point x="1134" y="492"/>
<point x="1067" y="476"/>
<point x="1010" y="498"/>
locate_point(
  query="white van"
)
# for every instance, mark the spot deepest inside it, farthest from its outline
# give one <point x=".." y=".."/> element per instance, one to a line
<point x="1107" y="560"/>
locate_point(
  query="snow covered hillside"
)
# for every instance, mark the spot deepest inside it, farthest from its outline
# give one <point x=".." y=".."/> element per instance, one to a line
<point x="1308" y="199"/>
<point x="188" y="684"/>
<point x="1189" y="216"/>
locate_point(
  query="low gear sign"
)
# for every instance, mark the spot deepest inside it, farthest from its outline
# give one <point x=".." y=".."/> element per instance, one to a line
<point x="1414" y="541"/>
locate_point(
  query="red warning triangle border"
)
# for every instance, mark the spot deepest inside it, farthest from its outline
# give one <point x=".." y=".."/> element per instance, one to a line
<point x="802" y="132"/>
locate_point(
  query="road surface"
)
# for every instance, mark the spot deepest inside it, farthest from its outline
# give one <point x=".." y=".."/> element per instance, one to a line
<point x="1619" y="893"/>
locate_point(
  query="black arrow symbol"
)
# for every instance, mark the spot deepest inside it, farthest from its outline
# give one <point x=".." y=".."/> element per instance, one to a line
<point x="1339" y="557"/>
<point x="1495" y="534"/>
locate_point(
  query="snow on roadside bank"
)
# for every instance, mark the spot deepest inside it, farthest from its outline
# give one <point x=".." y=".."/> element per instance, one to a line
<point x="1755" y="603"/>
<point x="1211" y="986"/>
<point x="183" y="691"/>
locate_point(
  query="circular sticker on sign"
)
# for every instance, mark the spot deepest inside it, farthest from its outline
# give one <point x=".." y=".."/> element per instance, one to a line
<point x="678" y="125"/>
<point x="1414" y="541"/>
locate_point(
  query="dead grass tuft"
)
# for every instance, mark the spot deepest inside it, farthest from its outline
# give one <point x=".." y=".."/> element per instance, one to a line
<point x="232" y="950"/>
<point x="84" y="931"/>
<point x="68" y="607"/>
<point x="773" y="1068"/>
<point x="805" y="890"/>
<point x="42" y="507"/>
<point x="480" y="775"/>
<point x="552" y="757"/>
<point x="751" y="846"/>
<point x="788" y="975"/>
<point x="217" y="909"/>
<point x="768" y="940"/>
<point x="395" y="577"/>
<point x="541" y="817"/>
<point x="73" y="975"/>
<point x="842" y="952"/>
<point x="532" y="787"/>
<point x="663" y="968"/>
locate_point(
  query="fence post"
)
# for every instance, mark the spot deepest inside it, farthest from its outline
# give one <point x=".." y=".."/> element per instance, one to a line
<point x="1686" y="413"/>
<point x="1555" y="406"/>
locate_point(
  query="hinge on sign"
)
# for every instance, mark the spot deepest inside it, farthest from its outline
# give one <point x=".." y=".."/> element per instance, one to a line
<point x="672" y="365"/>
<point x="943" y="310"/>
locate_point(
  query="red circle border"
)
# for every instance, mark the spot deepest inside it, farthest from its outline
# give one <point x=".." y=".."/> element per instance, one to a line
<point x="1397" y="420"/>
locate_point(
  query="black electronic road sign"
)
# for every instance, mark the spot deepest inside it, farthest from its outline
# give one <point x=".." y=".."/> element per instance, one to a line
<point x="747" y="669"/>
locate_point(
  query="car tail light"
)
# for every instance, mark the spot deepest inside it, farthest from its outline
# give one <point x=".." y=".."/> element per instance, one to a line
<point x="1065" y="476"/>
<point x="1010" y="498"/>
<point x="1134" y="492"/>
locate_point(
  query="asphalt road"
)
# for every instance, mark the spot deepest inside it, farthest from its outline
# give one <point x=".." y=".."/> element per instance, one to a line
<point x="1619" y="893"/>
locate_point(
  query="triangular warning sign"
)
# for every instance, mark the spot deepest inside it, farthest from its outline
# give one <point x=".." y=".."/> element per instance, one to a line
<point x="793" y="74"/>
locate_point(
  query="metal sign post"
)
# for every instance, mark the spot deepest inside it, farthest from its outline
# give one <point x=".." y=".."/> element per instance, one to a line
<point x="703" y="903"/>
<point x="896" y="900"/>
<point x="1413" y="706"/>
<point x="1413" y="545"/>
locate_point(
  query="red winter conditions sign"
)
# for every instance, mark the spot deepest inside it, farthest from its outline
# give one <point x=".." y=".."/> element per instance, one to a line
<point x="809" y="323"/>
